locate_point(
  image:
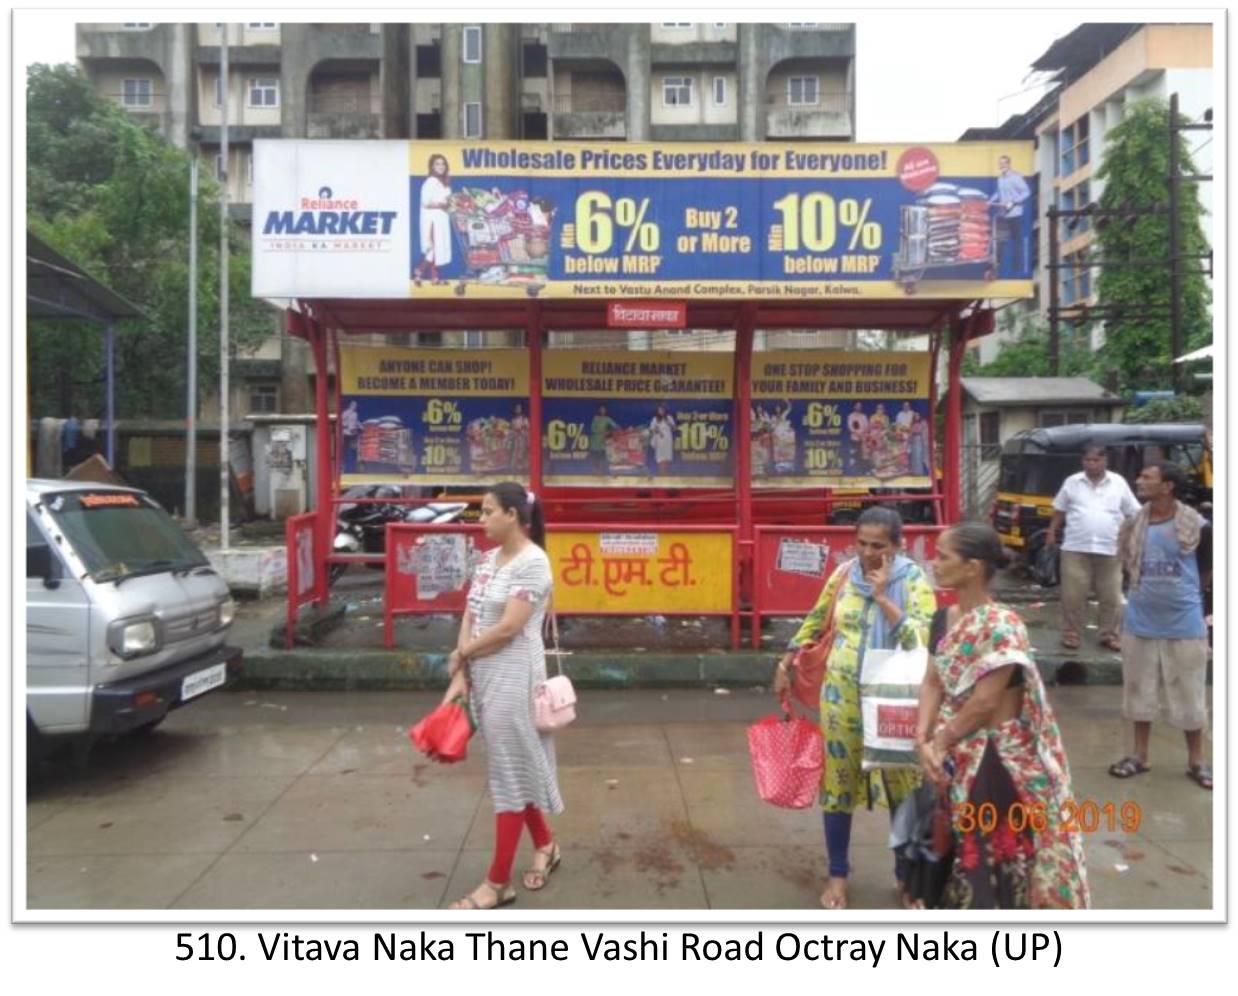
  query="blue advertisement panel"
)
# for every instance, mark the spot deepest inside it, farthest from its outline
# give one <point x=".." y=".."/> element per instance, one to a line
<point x="618" y="418"/>
<point x="434" y="416"/>
<point x="841" y="419"/>
<point x="773" y="221"/>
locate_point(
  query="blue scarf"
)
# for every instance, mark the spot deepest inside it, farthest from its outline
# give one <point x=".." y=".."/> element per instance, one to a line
<point x="880" y="632"/>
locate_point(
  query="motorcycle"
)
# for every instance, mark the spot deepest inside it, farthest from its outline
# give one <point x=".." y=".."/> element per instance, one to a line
<point x="361" y="526"/>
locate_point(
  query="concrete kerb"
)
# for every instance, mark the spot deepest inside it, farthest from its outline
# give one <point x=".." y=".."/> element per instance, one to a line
<point x="352" y="670"/>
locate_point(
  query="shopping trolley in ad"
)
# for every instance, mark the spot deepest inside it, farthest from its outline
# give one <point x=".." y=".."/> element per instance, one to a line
<point x="504" y="238"/>
<point x="947" y="227"/>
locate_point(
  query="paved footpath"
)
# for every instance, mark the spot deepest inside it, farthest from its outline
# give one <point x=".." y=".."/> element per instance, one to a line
<point x="303" y="800"/>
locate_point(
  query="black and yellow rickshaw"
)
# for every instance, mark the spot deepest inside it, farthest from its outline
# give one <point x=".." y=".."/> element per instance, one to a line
<point x="1035" y="462"/>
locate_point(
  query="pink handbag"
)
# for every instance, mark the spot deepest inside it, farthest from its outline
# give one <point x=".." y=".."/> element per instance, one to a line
<point x="554" y="700"/>
<point x="787" y="759"/>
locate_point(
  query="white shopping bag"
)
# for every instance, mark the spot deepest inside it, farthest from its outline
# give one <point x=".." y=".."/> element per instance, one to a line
<point x="890" y="705"/>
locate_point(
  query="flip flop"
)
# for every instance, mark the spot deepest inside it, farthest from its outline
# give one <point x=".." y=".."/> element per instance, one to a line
<point x="1201" y="775"/>
<point x="1112" y="643"/>
<point x="1071" y="641"/>
<point x="1128" y="767"/>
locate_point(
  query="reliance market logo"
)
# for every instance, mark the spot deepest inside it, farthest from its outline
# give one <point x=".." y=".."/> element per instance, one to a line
<point x="328" y="224"/>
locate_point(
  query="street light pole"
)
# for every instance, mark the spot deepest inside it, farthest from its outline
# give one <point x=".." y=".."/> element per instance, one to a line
<point x="224" y="474"/>
<point x="1175" y="282"/>
<point x="191" y="392"/>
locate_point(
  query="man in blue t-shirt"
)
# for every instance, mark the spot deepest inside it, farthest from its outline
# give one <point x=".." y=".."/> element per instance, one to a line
<point x="1165" y="549"/>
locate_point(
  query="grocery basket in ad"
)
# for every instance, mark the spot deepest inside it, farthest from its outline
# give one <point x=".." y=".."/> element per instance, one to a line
<point x="504" y="238"/>
<point x="947" y="227"/>
<point x="386" y="446"/>
<point x="490" y="445"/>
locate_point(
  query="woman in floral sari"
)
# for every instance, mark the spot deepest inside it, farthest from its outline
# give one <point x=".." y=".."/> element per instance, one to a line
<point x="988" y="735"/>
<point x="886" y="602"/>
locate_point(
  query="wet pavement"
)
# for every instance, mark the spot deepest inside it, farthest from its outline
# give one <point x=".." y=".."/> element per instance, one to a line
<point x="304" y="800"/>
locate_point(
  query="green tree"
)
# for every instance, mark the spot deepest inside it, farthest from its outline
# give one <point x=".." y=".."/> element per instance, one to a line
<point x="1026" y="350"/>
<point x="1135" y="172"/>
<point x="113" y="196"/>
<point x="1182" y="409"/>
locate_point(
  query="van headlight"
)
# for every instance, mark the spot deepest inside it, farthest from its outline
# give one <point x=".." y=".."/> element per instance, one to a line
<point x="227" y="612"/>
<point x="133" y="637"/>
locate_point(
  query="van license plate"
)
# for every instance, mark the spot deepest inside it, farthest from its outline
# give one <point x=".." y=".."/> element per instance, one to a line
<point x="203" y="681"/>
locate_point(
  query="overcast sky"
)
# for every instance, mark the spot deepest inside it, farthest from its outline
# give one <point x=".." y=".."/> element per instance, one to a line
<point x="922" y="75"/>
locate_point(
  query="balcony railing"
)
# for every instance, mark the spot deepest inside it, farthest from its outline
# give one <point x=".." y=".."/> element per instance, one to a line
<point x="606" y="103"/>
<point x="326" y="103"/>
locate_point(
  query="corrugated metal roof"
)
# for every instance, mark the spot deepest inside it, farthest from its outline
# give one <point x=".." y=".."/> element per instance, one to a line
<point x="1032" y="391"/>
<point x="57" y="287"/>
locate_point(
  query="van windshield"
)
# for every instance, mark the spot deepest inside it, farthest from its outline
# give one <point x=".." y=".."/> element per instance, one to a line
<point x="119" y="534"/>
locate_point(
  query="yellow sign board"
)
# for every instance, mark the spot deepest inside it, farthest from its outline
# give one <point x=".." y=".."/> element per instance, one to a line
<point x="638" y="572"/>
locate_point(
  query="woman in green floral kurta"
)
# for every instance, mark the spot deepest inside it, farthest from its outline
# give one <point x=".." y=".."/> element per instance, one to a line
<point x="886" y="602"/>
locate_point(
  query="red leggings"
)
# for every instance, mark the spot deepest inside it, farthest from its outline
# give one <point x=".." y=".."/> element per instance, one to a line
<point x="507" y="827"/>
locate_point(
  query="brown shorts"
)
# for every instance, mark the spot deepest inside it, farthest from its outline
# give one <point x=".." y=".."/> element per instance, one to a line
<point x="1183" y="667"/>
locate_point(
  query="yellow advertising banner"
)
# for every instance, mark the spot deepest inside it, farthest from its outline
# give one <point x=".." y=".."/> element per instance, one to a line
<point x="638" y="572"/>
<point x="645" y="376"/>
<point x="843" y="420"/>
<point x="399" y="371"/>
<point x="434" y="416"/>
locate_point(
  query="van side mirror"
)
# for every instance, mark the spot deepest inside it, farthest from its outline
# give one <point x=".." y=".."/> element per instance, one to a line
<point x="41" y="562"/>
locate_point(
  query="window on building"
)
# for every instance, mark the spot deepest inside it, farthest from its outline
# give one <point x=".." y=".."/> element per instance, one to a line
<point x="1049" y="419"/>
<point x="219" y="166"/>
<point x="430" y="125"/>
<point x="802" y="25"/>
<point x="429" y="62"/>
<point x="472" y="120"/>
<point x="472" y="44"/>
<point x="1067" y="144"/>
<point x="1081" y="141"/>
<point x="263" y="91"/>
<point x="719" y="26"/>
<point x="719" y="91"/>
<point x="990" y="435"/>
<point x="1076" y="278"/>
<point x="676" y="91"/>
<point x="136" y="93"/>
<point x="474" y="340"/>
<point x="803" y="91"/>
<point x="219" y="91"/>
<point x="136" y="26"/>
<point x="263" y="399"/>
<point x="261" y="25"/>
<point x="677" y="26"/>
<point x="429" y="338"/>
<point x="534" y="59"/>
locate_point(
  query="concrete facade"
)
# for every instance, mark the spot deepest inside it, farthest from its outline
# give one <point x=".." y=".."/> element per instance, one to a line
<point x="578" y="82"/>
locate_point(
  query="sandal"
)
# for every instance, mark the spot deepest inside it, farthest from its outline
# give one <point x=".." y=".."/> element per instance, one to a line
<point x="504" y="895"/>
<point x="1112" y="643"/>
<point x="535" y="878"/>
<point x="837" y="900"/>
<point x="1201" y="775"/>
<point x="1071" y="641"/>
<point x="1128" y="767"/>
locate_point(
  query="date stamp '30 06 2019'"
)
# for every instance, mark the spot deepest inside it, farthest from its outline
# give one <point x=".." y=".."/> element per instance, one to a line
<point x="1086" y="816"/>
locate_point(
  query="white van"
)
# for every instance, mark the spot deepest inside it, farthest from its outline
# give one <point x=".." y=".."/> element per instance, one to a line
<point x="125" y="617"/>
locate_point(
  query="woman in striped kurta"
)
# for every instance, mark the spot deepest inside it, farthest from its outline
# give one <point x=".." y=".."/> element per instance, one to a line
<point x="501" y="657"/>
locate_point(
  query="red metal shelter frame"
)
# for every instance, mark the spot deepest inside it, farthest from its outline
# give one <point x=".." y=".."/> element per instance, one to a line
<point x="951" y="324"/>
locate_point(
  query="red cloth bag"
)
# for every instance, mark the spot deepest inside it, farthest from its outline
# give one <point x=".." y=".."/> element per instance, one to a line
<point x="787" y="759"/>
<point x="444" y="734"/>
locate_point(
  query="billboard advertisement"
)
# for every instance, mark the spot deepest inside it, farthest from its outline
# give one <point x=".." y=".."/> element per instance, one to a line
<point x="485" y="220"/>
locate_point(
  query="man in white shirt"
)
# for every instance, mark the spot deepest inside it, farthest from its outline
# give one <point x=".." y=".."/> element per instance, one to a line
<point x="1092" y="505"/>
<point x="905" y="417"/>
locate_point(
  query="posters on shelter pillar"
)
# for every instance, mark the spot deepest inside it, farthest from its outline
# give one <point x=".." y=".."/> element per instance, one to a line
<point x="434" y="416"/>
<point x="842" y="419"/>
<point x="482" y="220"/>
<point x="616" y="418"/>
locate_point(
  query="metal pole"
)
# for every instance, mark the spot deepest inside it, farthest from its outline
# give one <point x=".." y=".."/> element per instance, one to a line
<point x="1175" y="283"/>
<point x="1055" y="293"/>
<point x="224" y="474"/>
<point x="111" y="395"/>
<point x="191" y="385"/>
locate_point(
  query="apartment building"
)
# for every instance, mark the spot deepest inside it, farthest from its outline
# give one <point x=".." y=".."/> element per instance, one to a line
<point x="533" y="82"/>
<point x="1097" y="71"/>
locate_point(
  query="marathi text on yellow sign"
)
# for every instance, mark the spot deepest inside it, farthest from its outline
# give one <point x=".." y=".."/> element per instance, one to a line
<point x="665" y="572"/>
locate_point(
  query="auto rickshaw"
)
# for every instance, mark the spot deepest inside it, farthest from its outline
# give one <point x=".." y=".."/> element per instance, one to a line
<point x="1035" y="463"/>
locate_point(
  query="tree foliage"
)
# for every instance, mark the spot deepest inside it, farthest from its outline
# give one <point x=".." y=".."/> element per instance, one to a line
<point x="113" y="196"/>
<point x="1025" y="350"/>
<point x="1181" y="409"/>
<point x="1135" y="172"/>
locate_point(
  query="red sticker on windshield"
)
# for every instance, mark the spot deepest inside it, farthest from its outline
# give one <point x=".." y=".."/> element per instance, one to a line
<point x="108" y="500"/>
